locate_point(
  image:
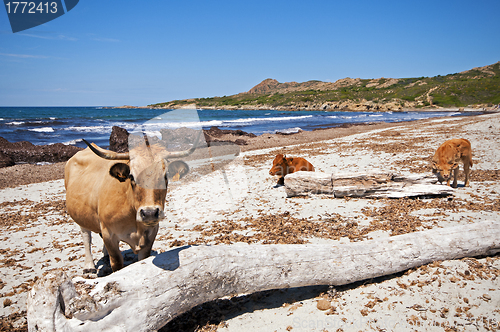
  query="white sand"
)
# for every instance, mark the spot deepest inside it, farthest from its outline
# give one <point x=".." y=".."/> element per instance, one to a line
<point x="443" y="295"/>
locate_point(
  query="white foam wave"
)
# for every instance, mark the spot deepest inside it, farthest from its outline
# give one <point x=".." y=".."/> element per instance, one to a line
<point x="43" y="130"/>
<point x="102" y="129"/>
<point x="89" y="129"/>
<point x="16" y="123"/>
<point x="73" y="142"/>
<point x="216" y="123"/>
<point x="289" y="130"/>
<point x="283" y="118"/>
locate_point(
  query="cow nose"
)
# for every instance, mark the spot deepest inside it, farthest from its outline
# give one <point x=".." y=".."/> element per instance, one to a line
<point x="149" y="214"/>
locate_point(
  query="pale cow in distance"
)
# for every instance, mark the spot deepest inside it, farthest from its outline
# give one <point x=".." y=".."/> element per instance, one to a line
<point x="120" y="196"/>
<point x="447" y="158"/>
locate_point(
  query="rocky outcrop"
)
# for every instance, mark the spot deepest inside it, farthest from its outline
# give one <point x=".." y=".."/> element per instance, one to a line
<point x="270" y="86"/>
<point x="26" y="152"/>
<point x="215" y="134"/>
<point x="266" y="86"/>
<point x="118" y="140"/>
<point x="5" y="161"/>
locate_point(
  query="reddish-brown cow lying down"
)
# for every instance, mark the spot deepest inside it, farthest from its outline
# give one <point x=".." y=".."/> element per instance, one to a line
<point x="447" y="157"/>
<point x="283" y="166"/>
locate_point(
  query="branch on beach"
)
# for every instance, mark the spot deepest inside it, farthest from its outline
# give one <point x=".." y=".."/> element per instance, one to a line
<point x="366" y="185"/>
<point x="148" y="294"/>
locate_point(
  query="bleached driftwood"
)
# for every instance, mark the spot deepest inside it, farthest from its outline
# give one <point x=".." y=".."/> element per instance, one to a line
<point x="368" y="185"/>
<point x="146" y="295"/>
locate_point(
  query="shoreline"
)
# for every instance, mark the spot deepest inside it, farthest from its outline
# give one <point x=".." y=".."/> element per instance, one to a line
<point x="473" y="108"/>
<point x="26" y="173"/>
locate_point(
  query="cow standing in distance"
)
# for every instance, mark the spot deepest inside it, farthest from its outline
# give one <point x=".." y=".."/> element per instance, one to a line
<point x="447" y="158"/>
<point x="121" y="196"/>
<point x="283" y="166"/>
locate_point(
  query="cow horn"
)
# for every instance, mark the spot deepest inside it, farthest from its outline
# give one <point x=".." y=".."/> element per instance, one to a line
<point x="106" y="154"/>
<point x="179" y="154"/>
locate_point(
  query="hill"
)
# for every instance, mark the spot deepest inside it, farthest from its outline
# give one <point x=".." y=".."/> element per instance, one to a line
<point x="479" y="87"/>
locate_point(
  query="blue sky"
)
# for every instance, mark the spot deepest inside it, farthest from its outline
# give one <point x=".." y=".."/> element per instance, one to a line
<point x="112" y="52"/>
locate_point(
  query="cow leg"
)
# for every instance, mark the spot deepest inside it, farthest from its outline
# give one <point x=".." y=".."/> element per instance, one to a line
<point x="89" y="267"/>
<point x="455" y="177"/>
<point x="112" y="244"/>
<point x="104" y="250"/>
<point x="149" y="238"/>
<point x="467" y="172"/>
<point x="281" y="181"/>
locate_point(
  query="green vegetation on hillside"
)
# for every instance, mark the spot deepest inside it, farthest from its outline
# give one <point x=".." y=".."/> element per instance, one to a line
<point x="477" y="86"/>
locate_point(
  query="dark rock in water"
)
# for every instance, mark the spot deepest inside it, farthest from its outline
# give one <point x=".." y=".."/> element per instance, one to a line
<point x="240" y="141"/>
<point x="179" y="136"/>
<point x="118" y="140"/>
<point x="217" y="132"/>
<point x="176" y="139"/>
<point x="26" y="152"/>
<point x="5" y="161"/>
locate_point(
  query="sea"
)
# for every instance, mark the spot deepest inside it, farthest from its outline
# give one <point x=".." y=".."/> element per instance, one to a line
<point x="69" y="125"/>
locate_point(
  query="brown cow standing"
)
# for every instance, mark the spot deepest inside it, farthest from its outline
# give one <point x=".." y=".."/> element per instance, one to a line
<point x="121" y="196"/>
<point x="447" y="157"/>
<point x="283" y="166"/>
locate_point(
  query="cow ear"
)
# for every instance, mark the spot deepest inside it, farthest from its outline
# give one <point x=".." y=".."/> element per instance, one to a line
<point x="177" y="169"/>
<point x="120" y="171"/>
<point x="434" y="167"/>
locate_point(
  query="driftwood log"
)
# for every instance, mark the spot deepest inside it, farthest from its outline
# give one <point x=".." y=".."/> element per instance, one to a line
<point x="146" y="295"/>
<point x="367" y="185"/>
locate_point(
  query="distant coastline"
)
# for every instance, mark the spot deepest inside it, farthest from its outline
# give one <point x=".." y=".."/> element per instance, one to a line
<point x="477" y="88"/>
<point x="474" y="108"/>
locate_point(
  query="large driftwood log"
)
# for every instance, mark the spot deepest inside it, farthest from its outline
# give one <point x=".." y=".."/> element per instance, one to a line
<point x="367" y="185"/>
<point x="146" y="295"/>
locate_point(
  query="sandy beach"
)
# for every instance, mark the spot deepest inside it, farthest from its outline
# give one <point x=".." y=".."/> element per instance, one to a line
<point x="242" y="204"/>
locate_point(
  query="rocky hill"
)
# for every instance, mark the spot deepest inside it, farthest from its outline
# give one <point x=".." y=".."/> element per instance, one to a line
<point x="477" y="87"/>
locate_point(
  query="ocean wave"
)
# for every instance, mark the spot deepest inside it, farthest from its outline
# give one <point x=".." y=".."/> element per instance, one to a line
<point x="15" y="123"/>
<point x="282" y="118"/>
<point x="73" y="142"/>
<point x="89" y="129"/>
<point x="157" y="125"/>
<point x="288" y="130"/>
<point x="101" y="129"/>
<point x="43" y="130"/>
<point x="221" y="123"/>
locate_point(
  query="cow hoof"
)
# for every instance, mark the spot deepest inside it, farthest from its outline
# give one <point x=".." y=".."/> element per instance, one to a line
<point x="90" y="272"/>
